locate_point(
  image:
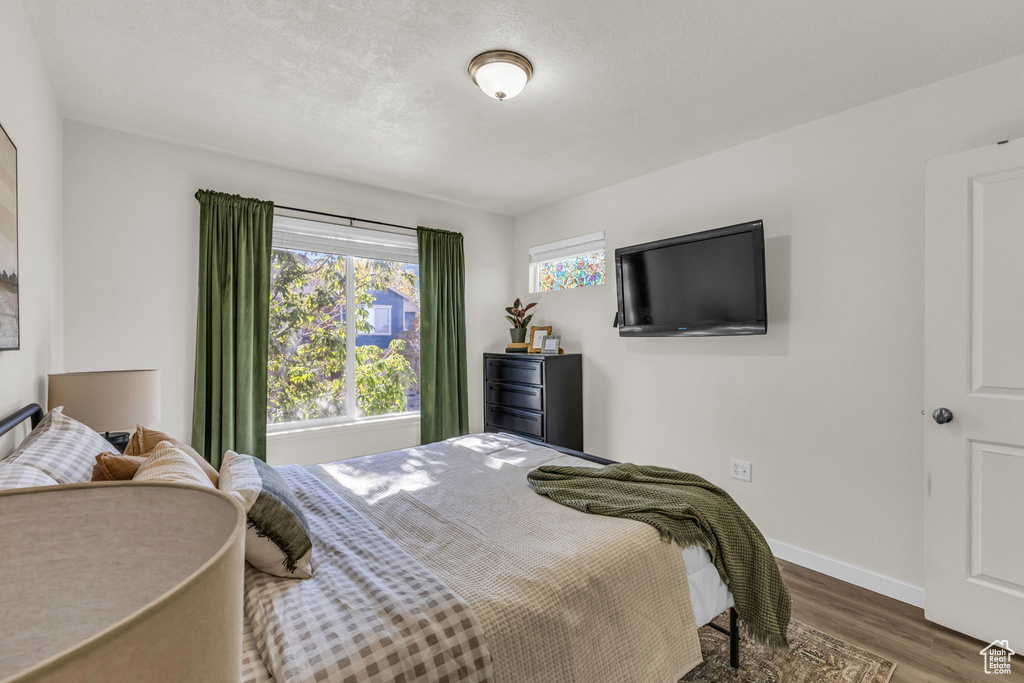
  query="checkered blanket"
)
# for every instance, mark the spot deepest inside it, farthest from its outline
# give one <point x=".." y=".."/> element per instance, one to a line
<point x="253" y="669"/>
<point x="371" y="613"/>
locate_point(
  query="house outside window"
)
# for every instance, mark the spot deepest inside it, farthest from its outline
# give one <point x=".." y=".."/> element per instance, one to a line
<point x="379" y="315"/>
<point x="568" y="264"/>
<point x="344" y="324"/>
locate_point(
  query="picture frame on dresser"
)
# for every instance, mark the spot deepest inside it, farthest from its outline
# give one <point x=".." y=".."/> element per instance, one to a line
<point x="537" y="335"/>
<point x="10" y="274"/>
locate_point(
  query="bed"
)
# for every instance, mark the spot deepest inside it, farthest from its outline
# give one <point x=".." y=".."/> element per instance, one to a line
<point x="547" y="588"/>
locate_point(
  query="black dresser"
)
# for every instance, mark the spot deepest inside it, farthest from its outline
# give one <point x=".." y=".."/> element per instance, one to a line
<point x="535" y="395"/>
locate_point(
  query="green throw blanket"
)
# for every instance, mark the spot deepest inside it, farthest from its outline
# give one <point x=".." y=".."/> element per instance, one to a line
<point x="689" y="510"/>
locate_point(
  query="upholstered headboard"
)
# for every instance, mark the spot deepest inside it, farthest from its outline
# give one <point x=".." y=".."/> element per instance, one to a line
<point x="32" y="411"/>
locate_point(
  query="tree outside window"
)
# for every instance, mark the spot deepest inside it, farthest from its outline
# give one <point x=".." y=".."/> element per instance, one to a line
<point x="314" y="372"/>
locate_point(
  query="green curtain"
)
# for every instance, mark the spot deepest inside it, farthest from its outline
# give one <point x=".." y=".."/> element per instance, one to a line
<point x="444" y="399"/>
<point x="230" y="405"/>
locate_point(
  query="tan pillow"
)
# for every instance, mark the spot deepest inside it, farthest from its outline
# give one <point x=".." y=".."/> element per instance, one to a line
<point x="169" y="463"/>
<point x="116" y="467"/>
<point x="145" y="440"/>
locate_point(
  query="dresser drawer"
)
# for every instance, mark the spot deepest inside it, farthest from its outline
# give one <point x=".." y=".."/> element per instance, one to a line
<point x="507" y="370"/>
<point x="516" y="395"/>
<point x="514" y="420"/>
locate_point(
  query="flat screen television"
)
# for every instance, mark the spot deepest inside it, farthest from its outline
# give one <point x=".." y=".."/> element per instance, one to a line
<point x="704" y="284"/>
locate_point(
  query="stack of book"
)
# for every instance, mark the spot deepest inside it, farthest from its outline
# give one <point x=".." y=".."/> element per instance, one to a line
<point x="518" y="348"/>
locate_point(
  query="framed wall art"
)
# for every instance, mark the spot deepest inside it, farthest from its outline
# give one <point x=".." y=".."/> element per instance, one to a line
<point x="10" y="329"/>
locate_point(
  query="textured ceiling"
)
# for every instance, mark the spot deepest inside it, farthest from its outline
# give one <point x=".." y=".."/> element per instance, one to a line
<point x="377" y="90"/>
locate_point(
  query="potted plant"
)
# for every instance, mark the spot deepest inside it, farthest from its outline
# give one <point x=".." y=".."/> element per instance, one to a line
<point x="517" y="316"/>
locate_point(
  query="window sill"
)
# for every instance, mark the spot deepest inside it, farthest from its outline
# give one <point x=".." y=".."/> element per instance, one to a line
<point x="366" y="424"/>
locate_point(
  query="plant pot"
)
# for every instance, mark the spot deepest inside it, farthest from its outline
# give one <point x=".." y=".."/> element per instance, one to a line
<point x="518" y="335"/>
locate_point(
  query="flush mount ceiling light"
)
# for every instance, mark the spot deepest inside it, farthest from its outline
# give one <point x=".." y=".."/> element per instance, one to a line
<point x="501" y="74"/>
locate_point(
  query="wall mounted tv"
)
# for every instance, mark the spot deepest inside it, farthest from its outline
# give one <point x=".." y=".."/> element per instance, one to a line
<point x="705" y="284"/>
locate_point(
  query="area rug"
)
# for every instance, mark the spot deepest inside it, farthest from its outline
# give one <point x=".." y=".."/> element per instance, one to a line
<point x="815" y="657"/>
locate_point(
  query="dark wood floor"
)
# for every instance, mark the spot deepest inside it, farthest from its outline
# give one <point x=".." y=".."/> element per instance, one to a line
<point x="922" y="650"/>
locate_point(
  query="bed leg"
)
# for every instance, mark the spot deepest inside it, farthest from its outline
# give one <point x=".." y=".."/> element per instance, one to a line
<point x="734" y="639"/>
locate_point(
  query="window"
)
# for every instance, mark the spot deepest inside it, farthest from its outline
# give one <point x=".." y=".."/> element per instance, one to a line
<point x="567" y="264"/>
<point x="328" y="365"/>
<point x="379" y="318"/>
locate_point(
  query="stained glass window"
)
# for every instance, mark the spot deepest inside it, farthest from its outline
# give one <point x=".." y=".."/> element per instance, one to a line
<point x="568" y="264"/>
<point x="582" y="270"/>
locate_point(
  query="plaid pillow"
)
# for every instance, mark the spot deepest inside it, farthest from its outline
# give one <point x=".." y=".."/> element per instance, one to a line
<point x="63" y="448"/>
<point x="37" y="431"/>
<point x="16" y="476"/>
<point x="277" y="537"/>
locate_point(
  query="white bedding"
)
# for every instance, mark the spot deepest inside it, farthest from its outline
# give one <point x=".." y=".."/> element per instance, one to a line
<point x="709" y="596"/>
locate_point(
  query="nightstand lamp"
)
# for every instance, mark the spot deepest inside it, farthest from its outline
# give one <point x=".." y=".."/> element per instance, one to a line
<point x="108" y="401"/>
<point x="117" y="582"/>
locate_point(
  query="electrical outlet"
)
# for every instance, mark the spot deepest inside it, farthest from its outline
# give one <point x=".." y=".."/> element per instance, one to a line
<point x="740" y="470"/>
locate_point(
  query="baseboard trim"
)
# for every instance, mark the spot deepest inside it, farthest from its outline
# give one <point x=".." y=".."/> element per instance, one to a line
<point x="858" y="576"/>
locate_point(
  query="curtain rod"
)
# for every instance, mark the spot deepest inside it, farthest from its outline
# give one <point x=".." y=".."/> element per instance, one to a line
<point x="347" y="218"/>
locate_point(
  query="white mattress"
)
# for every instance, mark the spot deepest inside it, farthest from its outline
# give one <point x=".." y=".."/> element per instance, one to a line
<point x="709" y="597"/>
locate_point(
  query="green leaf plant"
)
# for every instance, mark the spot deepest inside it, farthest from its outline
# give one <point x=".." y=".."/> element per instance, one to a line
<point x="517" y="314"/>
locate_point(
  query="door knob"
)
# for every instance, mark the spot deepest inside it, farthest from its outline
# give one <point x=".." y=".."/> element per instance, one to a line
<point x="942" y="415"/>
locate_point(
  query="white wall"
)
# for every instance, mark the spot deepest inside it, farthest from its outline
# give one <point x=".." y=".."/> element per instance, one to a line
<point x="828" y="405"/>
<point x="29" y="114"/>
<point x="132" y="230"/>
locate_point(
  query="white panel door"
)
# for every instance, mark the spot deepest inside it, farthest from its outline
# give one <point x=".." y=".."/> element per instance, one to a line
<point x="974" y="367"/>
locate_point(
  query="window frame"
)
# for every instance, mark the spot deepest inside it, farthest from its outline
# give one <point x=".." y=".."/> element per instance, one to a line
<point x="373" y="313"/>
<point x="351" y="334"/>
<point x="564" y="249"/>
